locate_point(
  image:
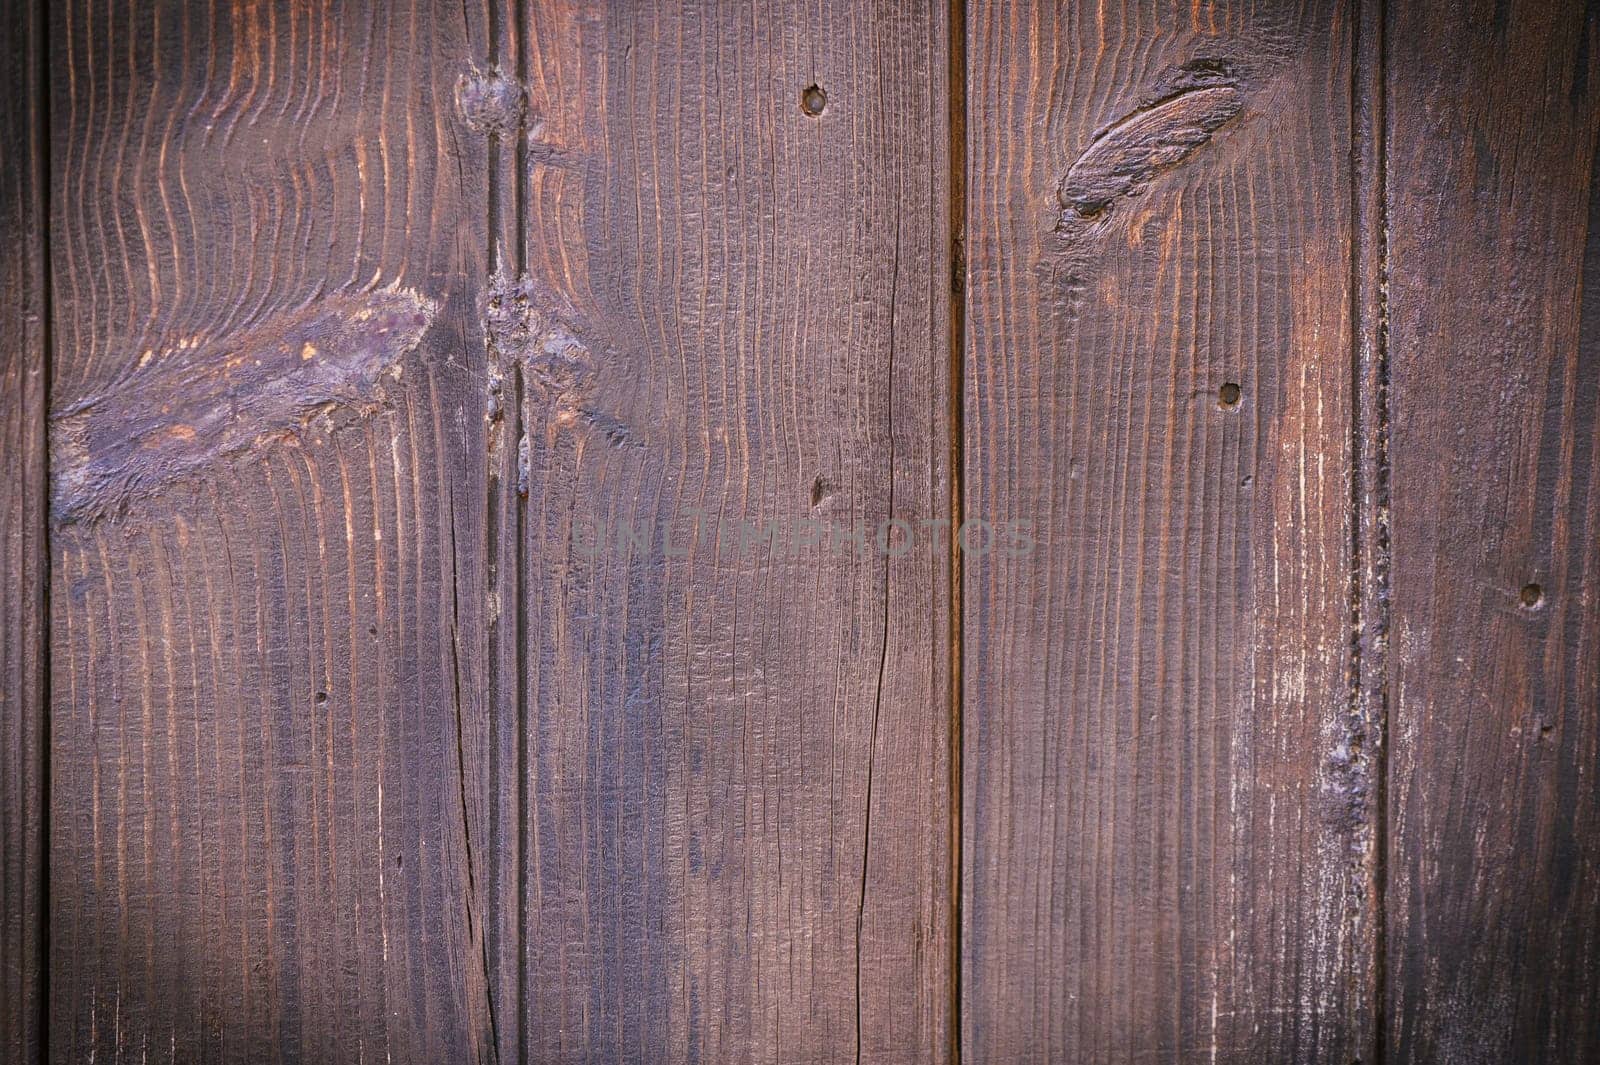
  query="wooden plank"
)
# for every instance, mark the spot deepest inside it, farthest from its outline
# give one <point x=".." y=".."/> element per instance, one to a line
<point x="1168" y="824"/>
<point x="728" y="347"/>
<point x="23" y="559"/>
<point x="1494" y="858"/>
<point x="268" y="538"/>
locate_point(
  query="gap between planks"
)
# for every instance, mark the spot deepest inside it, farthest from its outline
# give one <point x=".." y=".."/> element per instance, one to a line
<point x="1370" y="570"/>
<point x="956" y="92"/>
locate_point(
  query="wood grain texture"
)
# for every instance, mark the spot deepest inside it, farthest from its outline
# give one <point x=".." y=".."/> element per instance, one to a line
<point x="267" y="680"/>
<point x="1494" y="856"/>
<point x="23" y="558"/>
<point x="1168" y="823"/>
<point x="724" y="339"/>
<point x="500" y="591"/>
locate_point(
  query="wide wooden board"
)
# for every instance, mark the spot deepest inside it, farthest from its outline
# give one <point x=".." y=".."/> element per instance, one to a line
<point x="1168" y="833"/>
<point x="267" y="533"/>
<point x="1494" y="308"/>
<point x="723" y="335"/>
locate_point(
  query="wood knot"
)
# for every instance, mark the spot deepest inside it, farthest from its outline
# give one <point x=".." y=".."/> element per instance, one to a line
<point x="532" y="326"/>
<point x="491" y="102"/>
<point x="198" y="400"/>
<point x="1196" y="101"/>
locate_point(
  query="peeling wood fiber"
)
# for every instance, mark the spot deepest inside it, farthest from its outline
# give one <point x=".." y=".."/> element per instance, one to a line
<point x="1125" y="158"/>
<point x="182" y="408"/>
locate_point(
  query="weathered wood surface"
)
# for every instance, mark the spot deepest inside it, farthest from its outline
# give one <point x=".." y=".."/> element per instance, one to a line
<point x="723" y="335"/>
<point x="1494" y="853"/>
<point x="385" y="335"/>
<point x="23" y="561"/>
<point x="267" y="685"/>
<point x="1168" y="840"/>
<point x="470" y="430"/>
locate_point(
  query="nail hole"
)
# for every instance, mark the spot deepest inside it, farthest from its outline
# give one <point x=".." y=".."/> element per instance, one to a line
<point x="813" y="100"/>
<point x="1532" y="595"/>
<point x="322" y="697"/>
<point x="1228" y="396"/>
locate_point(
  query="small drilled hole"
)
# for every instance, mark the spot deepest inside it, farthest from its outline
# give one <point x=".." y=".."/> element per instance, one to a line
<point x="1228" y="396"/>
<point x="813" y="100"/>
<point x="1532" y="595"/>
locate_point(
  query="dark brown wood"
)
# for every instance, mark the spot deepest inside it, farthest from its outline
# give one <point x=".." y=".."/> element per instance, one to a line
<point x="724" y="343"/>
<point x="268" y="690"/>
<point x="492" y="593"/>
<point x="1168" y="824"/>
<point x="1494" y="858"/>
<point x="23" y="559"/>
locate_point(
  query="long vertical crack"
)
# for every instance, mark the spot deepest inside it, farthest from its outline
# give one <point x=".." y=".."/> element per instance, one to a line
<point x="883" y="656"/>
<point x="461" y="772"/>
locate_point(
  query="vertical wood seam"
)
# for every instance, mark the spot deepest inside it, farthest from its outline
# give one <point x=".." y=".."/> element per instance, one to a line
<point x="1370" y="548"/>
<point x="956" y="91"/>
<point x="519" y="561"/>
<point x="42" y="180"/>
<point x="499" y="497"/>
